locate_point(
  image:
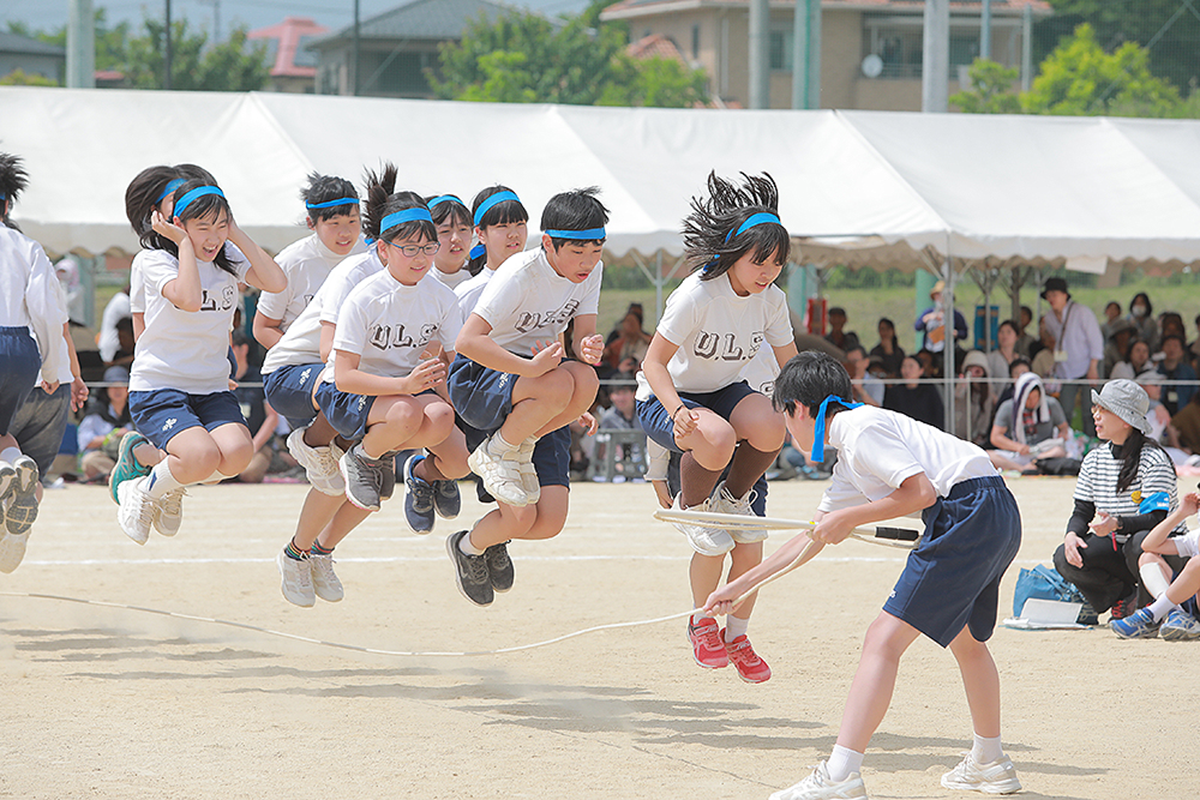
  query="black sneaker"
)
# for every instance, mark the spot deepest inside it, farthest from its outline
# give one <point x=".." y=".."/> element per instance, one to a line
<point x="1124" y="607"/>
<point x="419" y="499"/>
<point x="470" y="573"/>
<point x="500" y="566"/>
<point x="446" y="499"/>
<point x="1087" y="615"/>
<point x="364" y="478"/>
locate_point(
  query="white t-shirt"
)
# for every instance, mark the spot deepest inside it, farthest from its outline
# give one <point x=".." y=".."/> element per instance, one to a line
<point x="879" y="449"/>
<point x="451" y="279"/>
<point x="389" y="324"/>
<point x="470" y="290"/>
<point x="301" y="343"/>
<point x="31" y="297"/>
<point x="1188" y="545"/>
<point x="186" y="350"/>
<point x="527" y="302"/>
<point x="137" y="286"/>
<point x="110" y="340"/>
<point x="718" y="332"/>
<point x="306" y="263"/>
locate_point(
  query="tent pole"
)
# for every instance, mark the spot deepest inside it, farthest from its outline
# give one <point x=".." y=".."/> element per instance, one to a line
<point x="951" y="345"/>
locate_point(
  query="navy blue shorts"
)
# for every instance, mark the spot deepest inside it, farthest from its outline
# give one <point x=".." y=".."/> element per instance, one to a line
<point x="20" y="363"/>
<point x="953" y="577"/>
<point x="656" y="420"/>
<point x="481" y="396"/>
<point x="551" y="455"/>
<point x="161" y="413"/>
<point x="290" y="392"/>
<point x="346" y="412"/>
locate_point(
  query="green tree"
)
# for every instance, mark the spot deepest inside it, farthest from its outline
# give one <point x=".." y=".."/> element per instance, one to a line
<point x="231" y="66"/>
<point x="991" y="90"/>
<point x="1079" y="78"/>
<point x="657" y="82"/>
<point x="19" y="77"/>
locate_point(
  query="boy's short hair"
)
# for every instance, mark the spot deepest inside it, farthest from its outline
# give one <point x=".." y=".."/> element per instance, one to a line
<point x="838" y="310"/>
<point x="808" y="378"/>
<point x="576" y="210"/>
<point x="1019" y="361"/>
<point x="322" y="189"/>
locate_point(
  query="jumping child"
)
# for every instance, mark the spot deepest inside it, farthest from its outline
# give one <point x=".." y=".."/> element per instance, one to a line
<point x="511" y="382"/>
<point x="502" y="227"/>
<point x="890" y="465"/>
<point x="179" y="386"/>
<point x="693" y="400"/>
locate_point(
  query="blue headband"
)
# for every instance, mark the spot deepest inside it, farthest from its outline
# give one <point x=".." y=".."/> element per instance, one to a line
<point x="171" y="186"/>
<point x="818" y="449"/>
<point x="477" y="251"/>
<point x="400" y="217"/>
<point x="445" y="198"/>
<point x="577" y="236"/>
<point x="198" y="192"/>
<point x="761" y="218"/>
<point x="498" y="197"/>
<point x="344" y="201"/>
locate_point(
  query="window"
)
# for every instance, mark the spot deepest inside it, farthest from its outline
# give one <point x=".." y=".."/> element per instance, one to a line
<point x="899" y="41"/>
<point x="779" y="46"/>
<point x="696" y="42"/>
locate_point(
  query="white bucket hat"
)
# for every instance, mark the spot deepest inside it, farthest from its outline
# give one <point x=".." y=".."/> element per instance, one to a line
<point x="1127" y="400"/>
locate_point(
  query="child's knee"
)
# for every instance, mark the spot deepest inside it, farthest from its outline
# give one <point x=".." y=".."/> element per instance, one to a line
<point x="403" y="419"/>
<point x="546" y="526"/>
<point x="441" y="421"/>
<point x="746" y="554"/>
<point x="558" y="389"/>
<point x="236" y="458"/>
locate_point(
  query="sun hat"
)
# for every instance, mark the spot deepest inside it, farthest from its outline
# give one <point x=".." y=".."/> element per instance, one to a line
<point x="938" y="288"/>
<point x="1125" y="399"/>
<point x="1055" y="284"/>
<point x="116" y="374"/>
<point x="1120" y="325"/>
<point x="1149" y="376"/>
<point x="975" y="358"/>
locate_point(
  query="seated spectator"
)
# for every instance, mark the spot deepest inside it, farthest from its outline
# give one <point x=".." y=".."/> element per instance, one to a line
<point x="928" y="364"/>
<point x="866" y="388"/>
<point x="1025" y="342"/>
<point x="1170" y="324"/>
<point x="1040" y="420"/>
<point x="104" y="422"/>
<point x="1137" y="360"/>
<point x="1194" y="347"/>
<point x="123" y="355"/>
<point x="622" y="415"/>
<point x="1161" y="429"/>
<point x="1141" y="314"/>
<point x="974" y="403"/>
<point x="921" y="401"/>
<point x="838" y="336"/>
<point x="260" y="417"/>
<point x="1112" y="313"/>
<point x="1184" y="428"/>
<point x="1175" y="367"/>
<point x="631" y="340"/>
<point x="888" y="350"/>
<point x="1003" y="355"/>
<point x="1019" y="366"/>
<point x="1043" y="363"/>
<point x="118" y="308"/>
<point x="1117" y="340"/>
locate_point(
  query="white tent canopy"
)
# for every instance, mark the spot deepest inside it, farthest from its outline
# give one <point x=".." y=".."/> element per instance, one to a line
<point x="884" y="189"/>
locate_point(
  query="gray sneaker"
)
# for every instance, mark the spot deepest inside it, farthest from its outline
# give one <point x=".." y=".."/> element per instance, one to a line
<point x="500" y="567"/>
<point x="999" y="777"/>
<point x="325" y="582"/>
<point x="470" y="572"/>
<point x="22" y="505"/>
<point x="446" y="499"/>
<point x="364" y="478"/>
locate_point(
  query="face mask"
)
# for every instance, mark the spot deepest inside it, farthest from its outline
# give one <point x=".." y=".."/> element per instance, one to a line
<point x="1139" y="311"/>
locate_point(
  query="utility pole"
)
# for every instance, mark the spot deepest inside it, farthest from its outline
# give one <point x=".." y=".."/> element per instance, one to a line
<point x="935" y="58"/>
<point x="354" y="66"/>
<point x="985" y="30"/>
<point x="81" y="45"/>
<point x="760" y="64"/>
<point x="167" y="50"/>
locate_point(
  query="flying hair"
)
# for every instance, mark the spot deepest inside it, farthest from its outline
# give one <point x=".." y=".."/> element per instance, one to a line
<point x="13" y="180"/>
<point x="719" y="230"/>
<point x="321" y="190"/>
<point x="383" y="200"/>
<point x="380" y="186"/>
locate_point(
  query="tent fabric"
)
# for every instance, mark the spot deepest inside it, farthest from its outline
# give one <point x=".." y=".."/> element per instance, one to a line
<point x="882" y="189"/>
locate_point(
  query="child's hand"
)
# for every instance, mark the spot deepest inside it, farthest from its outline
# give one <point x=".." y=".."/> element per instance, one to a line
<point x="427" y="375"/>
<point x="1190" y="502"/>
<point x="545" y="357"/>
<point x="685" y="421"/>
<point x="831" y="529"/>
<point x="167" y="228"/>
<point x="721" y="601"/>
<point x="591" y="348"/>
<point x="1103" y="524"/>
<point x="588" y="422"/>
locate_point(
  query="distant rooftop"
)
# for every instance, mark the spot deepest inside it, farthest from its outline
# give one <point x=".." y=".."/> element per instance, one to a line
<point x="13" y="43"/>
<point x="287" y="46"/>
<point x="422" y="19"/>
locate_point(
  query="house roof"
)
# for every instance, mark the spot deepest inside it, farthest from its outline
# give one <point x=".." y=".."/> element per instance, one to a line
<point x="14" y="43"/>
<point x="420" y="19"/>
<point x="626" y="9"/>
<point x="655" y="46"/>
<point x="287" y="44"/>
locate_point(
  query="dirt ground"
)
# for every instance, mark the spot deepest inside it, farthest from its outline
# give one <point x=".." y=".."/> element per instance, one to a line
<point x="114" y="703"/>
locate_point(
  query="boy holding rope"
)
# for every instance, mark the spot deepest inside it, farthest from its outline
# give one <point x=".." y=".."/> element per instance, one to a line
<point x="890" y="466"/>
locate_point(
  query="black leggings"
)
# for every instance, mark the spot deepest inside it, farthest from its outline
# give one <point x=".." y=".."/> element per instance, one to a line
<point x="1108" y="575"/>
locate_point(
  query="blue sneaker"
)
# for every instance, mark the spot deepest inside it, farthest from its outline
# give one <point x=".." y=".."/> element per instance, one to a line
<point x="446" y="499"/>
<point x="127" y="467"/>
<point x="1180" y="626"/>
<point x="1138" y="625"/>
<point x="419" y="499"/>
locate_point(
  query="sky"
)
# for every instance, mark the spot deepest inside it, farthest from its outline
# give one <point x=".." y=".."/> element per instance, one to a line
<point x="334" y="14"/>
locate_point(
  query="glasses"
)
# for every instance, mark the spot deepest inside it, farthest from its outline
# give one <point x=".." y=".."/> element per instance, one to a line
<point x="411" y="250"/>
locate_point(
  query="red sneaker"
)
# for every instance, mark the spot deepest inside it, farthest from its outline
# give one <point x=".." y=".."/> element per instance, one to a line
<point x="708" y="648"/>
<point x="750" y="667"/>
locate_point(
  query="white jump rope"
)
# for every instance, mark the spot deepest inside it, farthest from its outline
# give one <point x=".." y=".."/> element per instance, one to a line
<point x="881" y="535"/>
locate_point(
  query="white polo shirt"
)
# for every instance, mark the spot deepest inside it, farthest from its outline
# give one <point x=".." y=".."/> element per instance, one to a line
<point x="879" y="449"/>
<point x="31" y="297"/>
<point x="306" y="263"/>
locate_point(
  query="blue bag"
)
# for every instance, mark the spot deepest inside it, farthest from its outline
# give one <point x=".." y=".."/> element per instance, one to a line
<point x="1043" y="583"/>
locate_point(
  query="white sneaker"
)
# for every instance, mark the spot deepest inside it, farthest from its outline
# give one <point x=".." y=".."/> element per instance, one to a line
<point x="324" y="581"/>
<point x="724" y="502"/>
<point x="500" y="471"/>
<point x="21" y="508"/>
<point x="12" y="550"/>
<point x="137" y="510"/>
<point x="998" y="777"/>
<point x="296" y="583"/>
<point x="818" y="786"/>
<point x="529" y="476"/>
<point x="170" y="512"/>
<point x="320" y="463"/>
<point x="705" y="541"/>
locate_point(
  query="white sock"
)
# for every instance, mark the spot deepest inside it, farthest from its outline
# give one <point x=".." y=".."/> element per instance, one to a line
<point x="986" y="749"/>
<point x="1153" y="579"/>
<point x="161" y="480"/>
<point x="735" y="627"/>
<point x="1161" y="607"/>
<point x="9" y="455"/>
<point x="503" y="444"/>
<point x="217" y="477"/>
<point x="843" y="762"/>
<point x="464" y="544"/>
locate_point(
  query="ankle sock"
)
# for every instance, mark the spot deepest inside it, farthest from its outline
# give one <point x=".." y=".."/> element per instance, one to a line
<point x="735" y="627"/>
<point x="1161" y="607"/>
<point x="986" y="749"/>
<point x="161" y="481"/>
<point x="294" y="552"/>
<point x="464" y="544"/>
<point x="843" y="762"/>
<point x="318" y="550"/>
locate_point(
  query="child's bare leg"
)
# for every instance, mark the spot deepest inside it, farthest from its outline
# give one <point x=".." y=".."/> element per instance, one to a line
<point x="236" y="446"/>
<point x="315" y="515"/>
<point x="875" y="680"/>
<point x="999" y="461"/>
<point x="319" y="432"/>
<point x="447" y="459"/>
<point x="192" y="455"/>
<point x="551" y="513"/>
<point x="536" y="401"/>
<point x="981" y="680"/>
<point x="744" y="557"/>
<point x="346" y="519"/>
<point x="1187" y="584"/>
<point x="583" y="395"/>
<point x="705" y="575"/>
<point x="391" y="422"/>
<point x="504" y="523"/>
